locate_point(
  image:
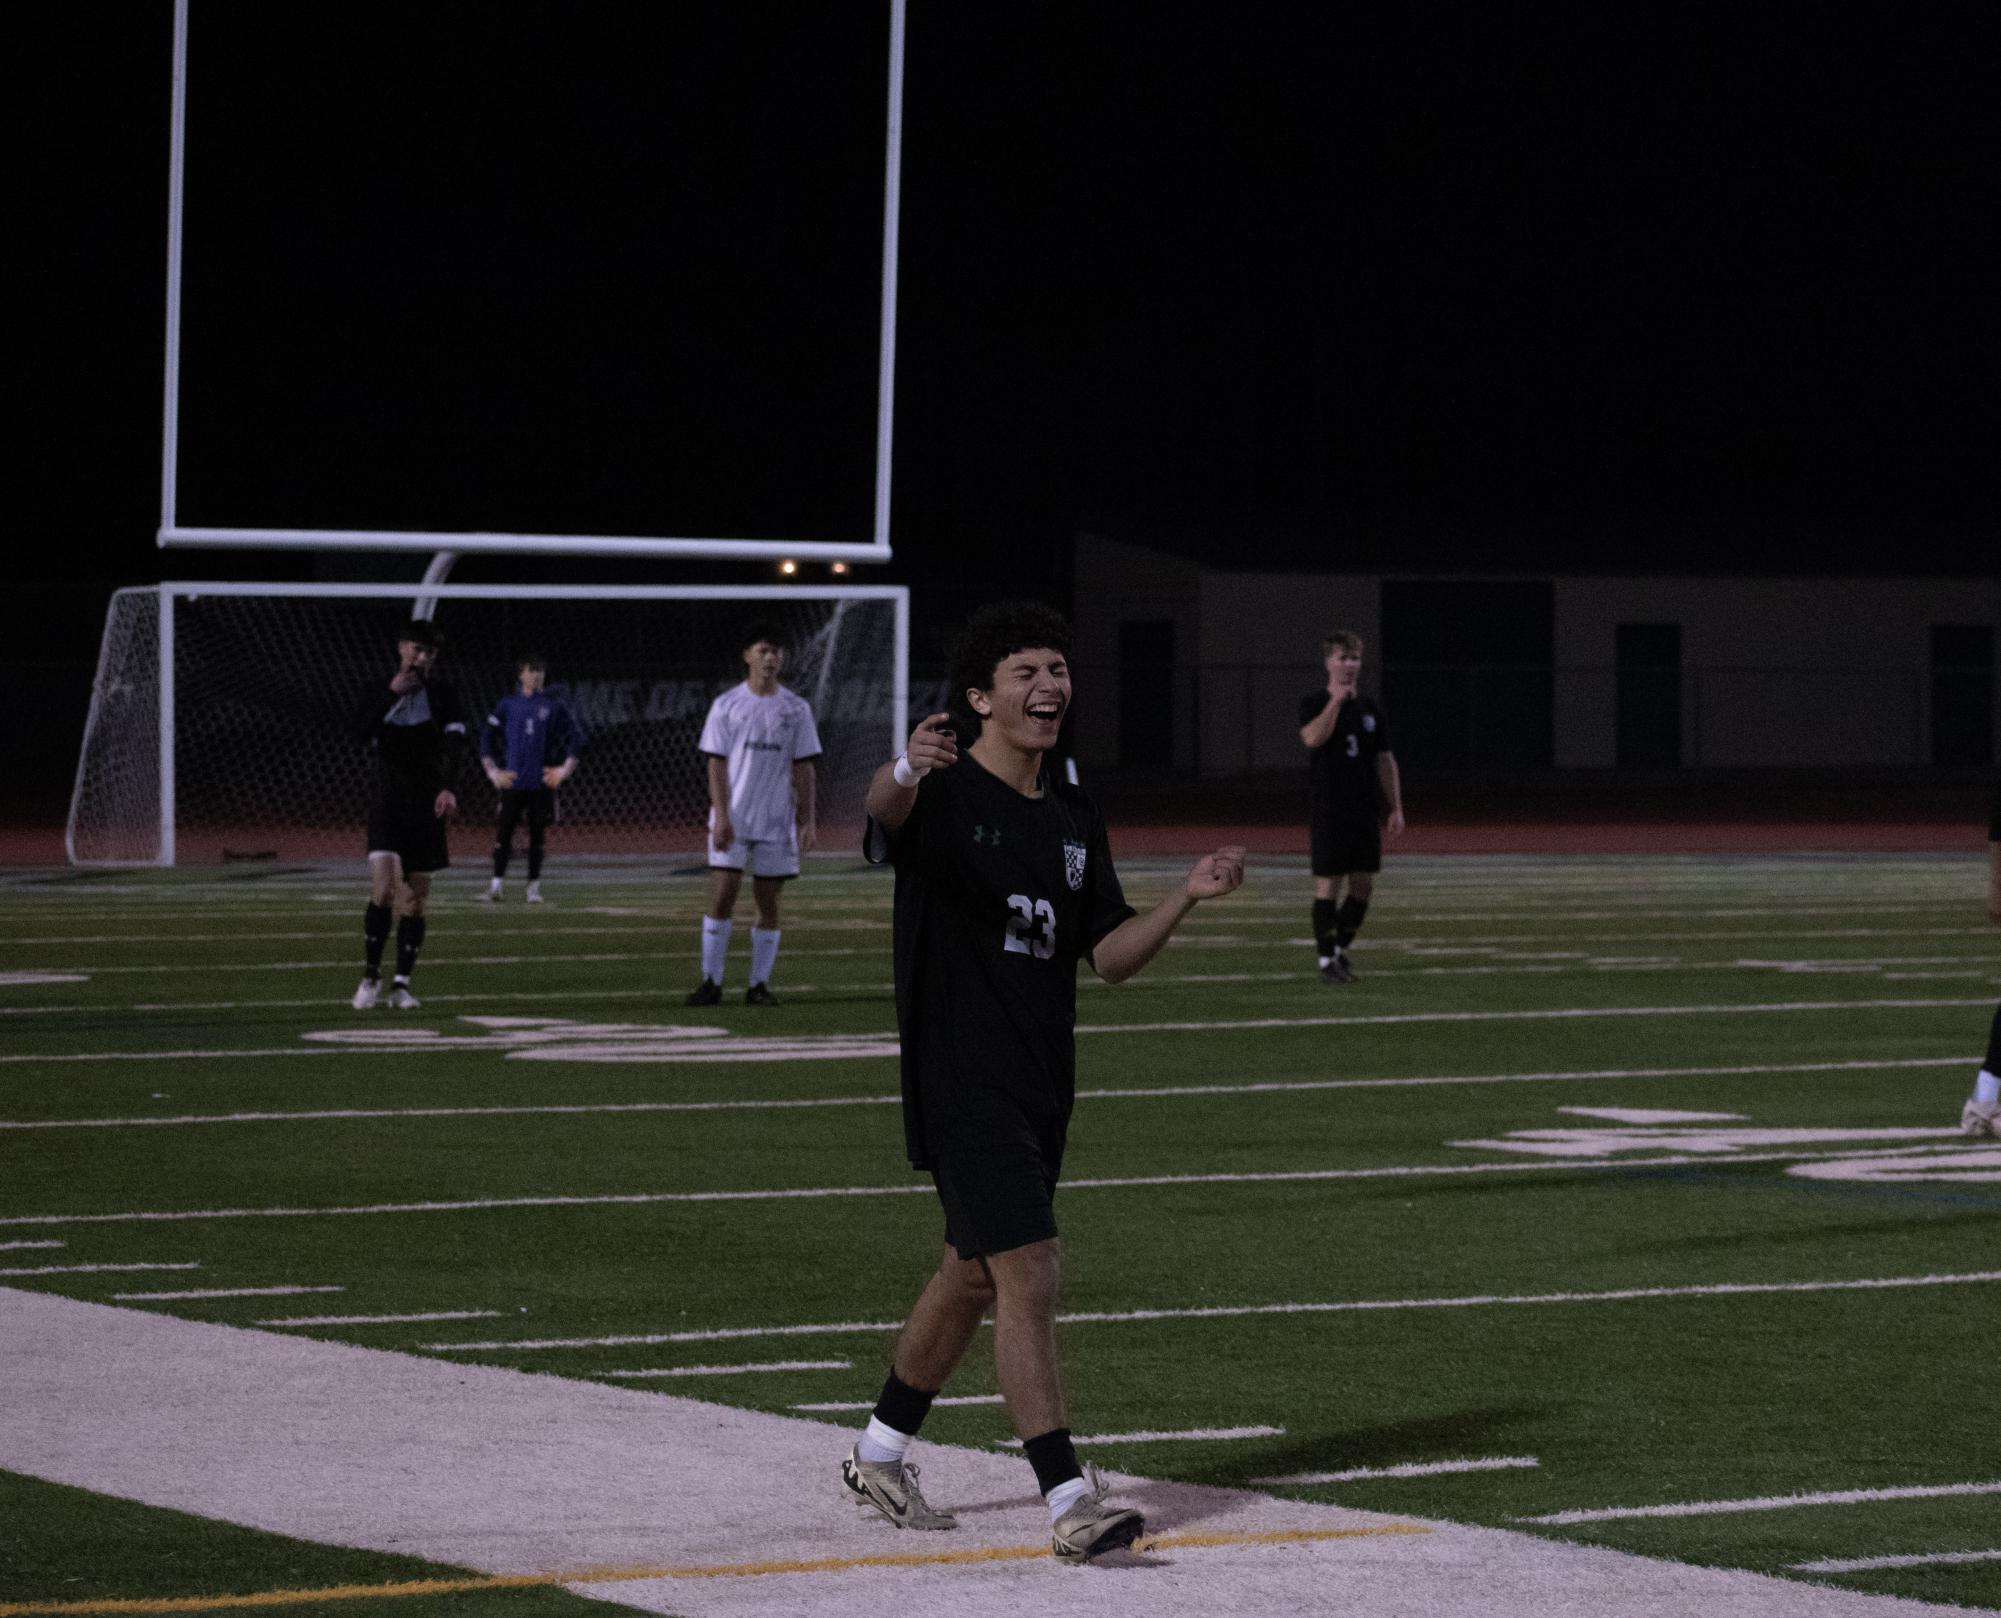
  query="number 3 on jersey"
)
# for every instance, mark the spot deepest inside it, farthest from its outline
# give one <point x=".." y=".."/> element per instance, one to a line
<point x="1031" y="927"/>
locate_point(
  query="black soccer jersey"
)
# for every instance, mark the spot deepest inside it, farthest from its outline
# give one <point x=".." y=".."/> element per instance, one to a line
<point x="418" y="738"/>
<point x="998" y="897"/>
<point x="1343" y="768"/>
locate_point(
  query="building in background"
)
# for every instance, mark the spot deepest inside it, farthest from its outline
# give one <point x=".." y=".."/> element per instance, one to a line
<point x="1201" y="668"/>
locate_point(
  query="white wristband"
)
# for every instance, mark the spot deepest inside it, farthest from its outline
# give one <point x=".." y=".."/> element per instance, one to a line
<point x="906" y="773"/>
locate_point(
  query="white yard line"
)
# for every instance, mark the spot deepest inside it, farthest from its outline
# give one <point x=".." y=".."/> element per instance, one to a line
<point x="383" y="1320"/>
<point x="1715" y="1289"/>
<point x="1190" y="1435"/>
<point x="1871" y="1564"/>
<point x="1220" y="1025"/>
<point x="514" y="1474"/>
<point x="916" y="1188"/>
<point x="218" y="1292"/>
<point x="1409" y="1469"/>
<point x="1151" y="1093"/>
<point x="731" y="1370"/>
<point x="15" y="1247"/>
<point x="95" y="1269"/>
<point x="1770" y="1502"/>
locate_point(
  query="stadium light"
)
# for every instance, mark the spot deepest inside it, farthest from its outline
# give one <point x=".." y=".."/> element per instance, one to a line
<point x="788" y="569"/>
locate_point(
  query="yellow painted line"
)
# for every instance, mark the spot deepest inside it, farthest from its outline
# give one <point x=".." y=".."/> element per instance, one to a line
<point x="634" y="1575"/>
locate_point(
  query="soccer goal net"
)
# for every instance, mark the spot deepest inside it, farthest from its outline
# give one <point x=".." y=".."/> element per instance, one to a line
<point x="219" y="720"/>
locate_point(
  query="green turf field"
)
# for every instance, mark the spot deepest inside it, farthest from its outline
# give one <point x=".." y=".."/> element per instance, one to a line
<point x="1425" y="1219"/>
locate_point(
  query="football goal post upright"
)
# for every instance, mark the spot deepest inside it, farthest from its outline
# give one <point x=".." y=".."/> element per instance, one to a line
<point x="219" y="721"/>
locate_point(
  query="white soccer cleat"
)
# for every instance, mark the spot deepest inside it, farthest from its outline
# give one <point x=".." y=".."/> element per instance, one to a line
<point x="492" y="894"/>
<point x="401" y="999"/>
<point x="890" y="1487"/>
<point x="534" y="893"/>
<point x="1091" y="1527"/>
<point x="369" y="992"/>
<point x="1979" y="1118"/>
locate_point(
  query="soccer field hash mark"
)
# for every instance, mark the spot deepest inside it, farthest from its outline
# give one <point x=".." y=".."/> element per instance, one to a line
<point x="563" y="1039"/>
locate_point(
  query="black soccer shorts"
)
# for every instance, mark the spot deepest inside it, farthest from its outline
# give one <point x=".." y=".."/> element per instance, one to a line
<point x="1000" y="1194"/>
<point x="410" y="831"/>
<point x="1344" y="843"/>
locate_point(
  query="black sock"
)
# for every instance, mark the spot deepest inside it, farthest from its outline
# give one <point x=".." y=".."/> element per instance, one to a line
<point x="534" y="859"/>
<point x="901" y="1407"/>
<point x="1348" y="921"/>
<point x="374" y="934"/>
<point x="409" y="939"/>
<point x="500" y="853"/>
<point x="1323" y="925"/>
<point x="1053" y="1457"/>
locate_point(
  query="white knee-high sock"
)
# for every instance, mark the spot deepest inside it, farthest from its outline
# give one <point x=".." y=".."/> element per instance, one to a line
<point x="763" y="953"/>
<point x="715" y="947"/>
<point x="1986" y="1087"/>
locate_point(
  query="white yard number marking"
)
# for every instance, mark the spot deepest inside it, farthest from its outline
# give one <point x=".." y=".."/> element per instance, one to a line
<point x="1031" y="928"/>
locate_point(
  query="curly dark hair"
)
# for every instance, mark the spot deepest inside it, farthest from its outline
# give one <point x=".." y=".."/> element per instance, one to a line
<point x="993" y="634"/>
<point x="767" y="630"/>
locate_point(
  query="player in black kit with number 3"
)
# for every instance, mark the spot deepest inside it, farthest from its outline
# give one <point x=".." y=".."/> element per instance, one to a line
<point x="1004" y="882"/>
<point x="1356" y="796"/>
<point x="414" y="722"/>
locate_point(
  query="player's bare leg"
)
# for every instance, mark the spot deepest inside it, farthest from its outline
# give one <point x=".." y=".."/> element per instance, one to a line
<point x="934" y="1339"/>
<point x="1026" y="1282"/>
<point x="764" y="937"/>
<point x="385" y="876"/>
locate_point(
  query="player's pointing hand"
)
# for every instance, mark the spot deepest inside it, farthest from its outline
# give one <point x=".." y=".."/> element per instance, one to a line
<point x="1217" y="874"/>
<point x="933" y="746"/>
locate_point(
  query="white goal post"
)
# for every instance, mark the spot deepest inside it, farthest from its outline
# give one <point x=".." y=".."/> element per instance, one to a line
<point x="218" y="717"/>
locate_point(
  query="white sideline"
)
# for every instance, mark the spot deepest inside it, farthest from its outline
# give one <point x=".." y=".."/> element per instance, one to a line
<point x="1123" y="1093"/>
<point x="814" y="1193"/>
<point x="825" y="1405"/>
<point x="1769" y="1502"/>
<point x="1409" y="1469"/>
<point x="507" y="1473"/>
<point x="95" y="1269"/>
<point x="1122" y="1317"/>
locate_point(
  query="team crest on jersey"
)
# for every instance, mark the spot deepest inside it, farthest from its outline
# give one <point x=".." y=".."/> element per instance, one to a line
<point x="1073" y="865"/>
<point x="1368" y="721"/>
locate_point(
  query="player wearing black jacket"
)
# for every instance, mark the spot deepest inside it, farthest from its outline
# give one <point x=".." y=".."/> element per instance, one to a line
<point x="1004" y="882"/>
<point x="416" y="726"/>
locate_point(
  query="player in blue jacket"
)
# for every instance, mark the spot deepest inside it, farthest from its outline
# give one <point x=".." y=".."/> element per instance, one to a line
<point x="529" y="748"/>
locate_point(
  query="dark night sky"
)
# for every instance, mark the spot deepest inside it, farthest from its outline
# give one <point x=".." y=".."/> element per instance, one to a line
<point x="1636" y="287"/>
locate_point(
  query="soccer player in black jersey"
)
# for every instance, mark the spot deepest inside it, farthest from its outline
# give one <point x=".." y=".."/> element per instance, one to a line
<point x="1357" y="794"/>
<point x="1004" y="882"/>
<point x="417" y="728"/>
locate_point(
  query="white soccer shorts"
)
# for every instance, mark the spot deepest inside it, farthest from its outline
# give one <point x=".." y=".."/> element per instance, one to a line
<point x="765" y="857"/>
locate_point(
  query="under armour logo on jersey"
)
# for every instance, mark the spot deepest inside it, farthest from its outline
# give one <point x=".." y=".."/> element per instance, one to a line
<point x="989" y="839"/>
<point x="1073" y="865"/>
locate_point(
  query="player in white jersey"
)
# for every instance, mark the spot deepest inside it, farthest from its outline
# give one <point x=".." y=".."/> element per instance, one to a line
<point x="760" y="741"/>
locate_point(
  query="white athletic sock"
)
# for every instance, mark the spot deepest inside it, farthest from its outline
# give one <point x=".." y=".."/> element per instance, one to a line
<point x="1065" y="1495"/>
<point x="493" y="887"/>
<point x="1987" y="1088"/>
<point x="763" y="953"/>
<point x="883" y="1443"/>
<point x="715" y="946"/>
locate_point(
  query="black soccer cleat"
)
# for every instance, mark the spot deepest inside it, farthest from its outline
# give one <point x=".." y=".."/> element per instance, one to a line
<point x="709" y="994"/>
<point x="759" y="995"/>
<point x="1337" y="969"/>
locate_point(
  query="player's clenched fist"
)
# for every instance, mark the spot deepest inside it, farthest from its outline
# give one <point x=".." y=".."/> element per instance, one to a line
<point x="1217" y="874"/>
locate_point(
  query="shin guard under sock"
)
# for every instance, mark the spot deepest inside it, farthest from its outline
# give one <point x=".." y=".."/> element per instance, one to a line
<point x="409" y="939"/>
<point x="374" y="935"/>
